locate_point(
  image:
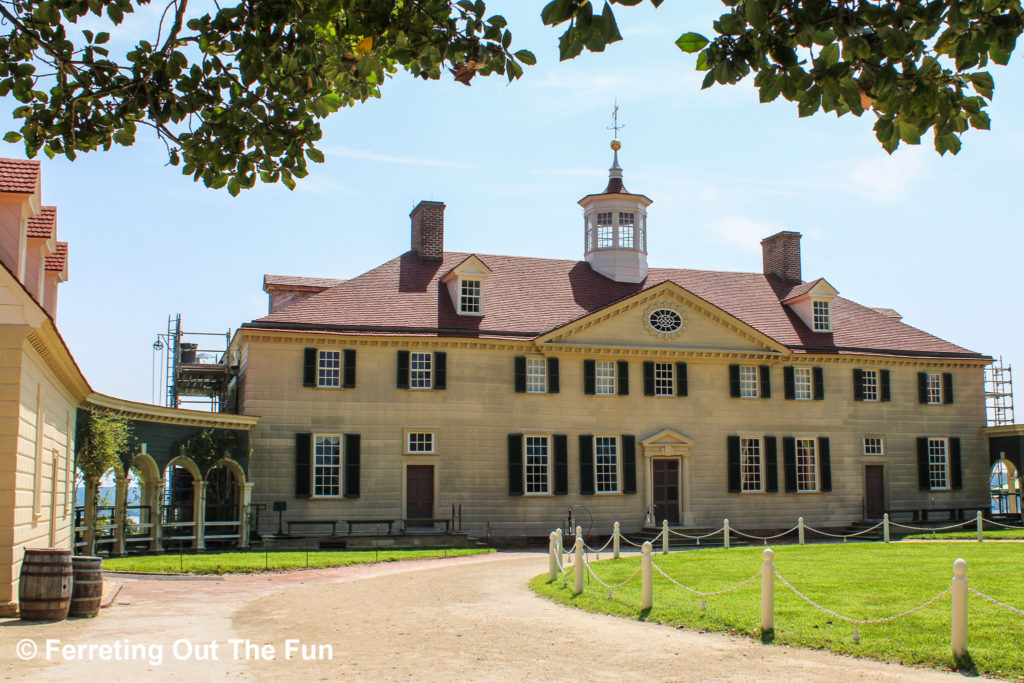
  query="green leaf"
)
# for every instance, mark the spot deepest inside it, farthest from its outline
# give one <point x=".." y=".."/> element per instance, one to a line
<point x="526" y="57"/>
<point x="315" y="155"/>
<point x="692" y="42"/>
<point x="983" y="83"/>
<point x="12" y="136"/>
<point x="757" y="15"/>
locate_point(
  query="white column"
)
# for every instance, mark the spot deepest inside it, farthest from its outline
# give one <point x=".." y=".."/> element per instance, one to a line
<point x="800" y="529"/>
<point x="615" y="541"/>
<point x="768" y="590"/>
<point x="958" y="629"/>
<point x="981" y="526"/>
<point x="558" y="546"/>
<point x="885" y="527"/>
<point x="725" y="534"/>
<point x="552" y="558"/>
<point x="578" y="567"/>
<point x="646" y="576"/>
<point x="664" y="537"/>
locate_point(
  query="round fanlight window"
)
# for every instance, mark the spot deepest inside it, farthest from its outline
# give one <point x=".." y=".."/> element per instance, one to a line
<point x="665" y="320"/>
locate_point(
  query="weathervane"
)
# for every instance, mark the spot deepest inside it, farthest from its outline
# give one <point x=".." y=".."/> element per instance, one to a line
<point x="615" y="120"/>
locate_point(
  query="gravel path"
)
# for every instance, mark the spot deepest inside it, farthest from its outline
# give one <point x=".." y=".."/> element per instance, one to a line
<point x="469" y="618"/>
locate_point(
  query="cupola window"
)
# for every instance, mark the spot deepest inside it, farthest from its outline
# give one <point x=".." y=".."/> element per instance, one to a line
<point x="626" y="232"/>
<point x="605" y="230"/>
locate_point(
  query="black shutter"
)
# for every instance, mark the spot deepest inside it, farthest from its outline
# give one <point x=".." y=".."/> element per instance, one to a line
<point x="789" y="382"/>
<point x="440" y="370"/>
<point x="303" y="452"/>
<point x="922" y="387"/>
<point x="623" y="376"/>
<point x="348" y="378"/>
<point x="589" y="377"/>
<point x="403" y="370"/>
<point x="955" y="468"/>
<point x="766" y="382"/>
<point x="734" y="381"/>
<point x="628" y="463"/>
<point x="586" y="464"/>
<point x="681" y="380"/>
<point x="825" y="463"/>
<point x="309" y="368"/>
<point x="771" y="459"/>
<point x="648" y="378"/>
<point x="515" y="464"/>
<point x="923" y="480"/>
<point x="883" y="379"/>
<point x="561" y="464"/>
<point x="552" y="375"/>
<point x="520" y="374"/>
<point x="858" y="385"/>
<point x="789" y="462"/>
<point x="819" y="384"/>
<point x="352" y="465"/>
<point x="947" y="387"/>
<point x="733" y="464"/>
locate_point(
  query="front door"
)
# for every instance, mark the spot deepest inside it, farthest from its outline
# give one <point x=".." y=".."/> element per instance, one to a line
<point x="419" y="493"/>
<point x="665" y="492"/>
<point x="874" y="491"/>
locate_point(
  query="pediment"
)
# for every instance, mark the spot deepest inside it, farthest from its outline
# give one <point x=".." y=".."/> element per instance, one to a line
<point x="628" y="323"/>
<point x="471" y="266"/>
<point x="667" y="437"/>
<point x="818" y="289"/>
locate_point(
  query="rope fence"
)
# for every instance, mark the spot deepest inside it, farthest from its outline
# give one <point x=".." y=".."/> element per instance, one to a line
<point x="958" y="589"/>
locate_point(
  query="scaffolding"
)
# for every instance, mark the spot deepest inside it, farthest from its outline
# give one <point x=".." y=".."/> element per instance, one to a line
<point x="193" y="374"/>
<point x="999" y="394"/>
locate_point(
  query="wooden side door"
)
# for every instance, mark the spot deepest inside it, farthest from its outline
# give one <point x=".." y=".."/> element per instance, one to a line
<point x="419" y="492"/>
<point x="665" y="492"/>
<point x="874" y="491"/>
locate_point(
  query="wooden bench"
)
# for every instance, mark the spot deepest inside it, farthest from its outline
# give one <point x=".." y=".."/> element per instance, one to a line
<point x="350" y="522"/>
<point x="427" y="521"/>
<point x="311" y="522"/>
<point x="956" y="513"/>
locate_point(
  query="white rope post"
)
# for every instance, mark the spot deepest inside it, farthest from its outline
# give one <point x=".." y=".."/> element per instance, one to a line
<point x="558" y="546"/>
<point x="800" y="529"/>
<point x="552" y="558"/>
<point x="664" y="537"/>
<point x="767" y="591"/>
<point x="725" y="534"/>
<point x="885" y="527"/>
<point x="646" y="576"/>
<point x="958" y="629"/>
<point x="615" y="541"/>
<point x="578" y="568"/>
<point x="981" y="526"/>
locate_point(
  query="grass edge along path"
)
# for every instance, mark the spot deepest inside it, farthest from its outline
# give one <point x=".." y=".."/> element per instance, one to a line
<point x="274" y="561"/>
<point x="856" y="580"/>
<point x="971" y="535"/>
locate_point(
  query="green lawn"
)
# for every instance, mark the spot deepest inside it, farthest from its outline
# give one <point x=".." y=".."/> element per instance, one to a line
<point x="857" y="580"/>
<point x="971" y="535"/>
<point x="232" y="563"/>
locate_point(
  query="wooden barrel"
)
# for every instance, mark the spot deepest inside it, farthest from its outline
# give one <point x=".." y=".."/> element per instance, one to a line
<point x="88" y="586"/>
<point x="44" y="592"/>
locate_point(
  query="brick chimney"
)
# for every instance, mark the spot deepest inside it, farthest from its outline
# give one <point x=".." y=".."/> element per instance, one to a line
<point x="428" y="230"/>
<point x="781" y="254"/>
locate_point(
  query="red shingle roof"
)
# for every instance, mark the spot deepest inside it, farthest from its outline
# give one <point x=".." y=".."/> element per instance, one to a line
<point x="298" y="281"/>
<point x="58" y="260"/>
<point x="18" y="175"/>
<point x="42" y="226"/>
<point x="525" y="297"/>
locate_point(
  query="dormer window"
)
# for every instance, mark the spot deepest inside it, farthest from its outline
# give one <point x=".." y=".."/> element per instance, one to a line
<point x="469" y="296"/>
<point x="822" y="314"/>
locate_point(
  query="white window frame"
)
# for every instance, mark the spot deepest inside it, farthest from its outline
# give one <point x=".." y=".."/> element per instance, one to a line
<point x="543" y="470"/>
<point x="415" y="442"/>
<point x="626" y="227"/>
<point x="421" y="377"/>
<point x="870" y="383"/>
<point x="805" y="483"/>
<point x="803" y="383"/>
<point x="866" y="447"/>
<point x="471" y="303"/>
<point x="605" y="377"/>
<point x="328" y="368"/>
<point x="605" y="230"/>
<point x="749" y="381"/>
<point x="745" y="441"/>
<point x="330" y="472"/>
<point x="614" y="462"/>
<point x="664" y="380"/>
<point x="938" y="464"/>
<point x="822" y="319"/>
<point x="536" y="376"/>
<point x="933" y="388"/>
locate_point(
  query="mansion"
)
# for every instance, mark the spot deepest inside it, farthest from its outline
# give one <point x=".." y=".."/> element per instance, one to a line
<point x="512" y="388"/>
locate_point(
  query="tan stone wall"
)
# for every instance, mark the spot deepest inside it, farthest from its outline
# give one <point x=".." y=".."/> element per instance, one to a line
<point x="37" y="417"/>
<point x="472" y="417"/>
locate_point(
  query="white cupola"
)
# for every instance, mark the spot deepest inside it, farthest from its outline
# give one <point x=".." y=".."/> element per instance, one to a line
<point x="615" y="228"/>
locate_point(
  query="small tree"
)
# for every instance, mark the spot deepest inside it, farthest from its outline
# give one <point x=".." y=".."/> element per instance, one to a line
<point x="103" y="439"/>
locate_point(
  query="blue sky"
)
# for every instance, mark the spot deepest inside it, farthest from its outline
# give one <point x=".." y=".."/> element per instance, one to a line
<point x="936" y="238"/>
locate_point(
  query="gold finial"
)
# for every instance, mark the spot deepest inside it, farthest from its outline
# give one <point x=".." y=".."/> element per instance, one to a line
<point x="616" y="145"/>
